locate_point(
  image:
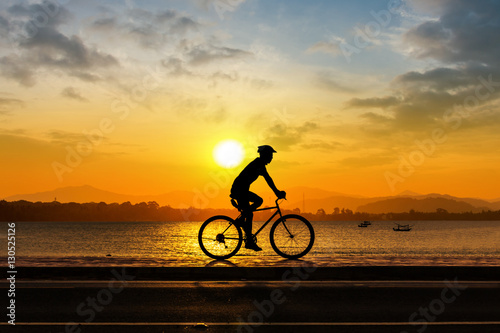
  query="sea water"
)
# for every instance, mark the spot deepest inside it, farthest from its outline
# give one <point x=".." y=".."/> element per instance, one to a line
<point x="176" y="244"/>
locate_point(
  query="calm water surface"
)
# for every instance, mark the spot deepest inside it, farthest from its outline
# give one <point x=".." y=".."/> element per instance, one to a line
<point x="176" y="244"/>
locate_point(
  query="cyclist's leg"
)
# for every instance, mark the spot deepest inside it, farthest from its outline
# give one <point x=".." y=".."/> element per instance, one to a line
<point x="246" y="211"/>
<point x="255" y="200"/>
<point x="256" y="203"/>
<point x="244" y="199"/>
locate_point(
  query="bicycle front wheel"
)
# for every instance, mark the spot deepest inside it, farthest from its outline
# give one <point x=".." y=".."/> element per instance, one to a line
<point x="292" y="236"/>
<point x="219" y="238"/>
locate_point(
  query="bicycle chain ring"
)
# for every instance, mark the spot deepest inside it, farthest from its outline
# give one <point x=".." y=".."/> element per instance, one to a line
<point x="220" y="238"/>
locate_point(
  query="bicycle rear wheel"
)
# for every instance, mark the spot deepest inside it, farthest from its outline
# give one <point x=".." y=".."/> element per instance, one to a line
<point x="292" y="236"/>
<point x="219" y="237"/>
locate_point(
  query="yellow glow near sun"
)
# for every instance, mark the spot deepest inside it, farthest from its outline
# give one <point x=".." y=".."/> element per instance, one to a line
<point x="229" y="153"/>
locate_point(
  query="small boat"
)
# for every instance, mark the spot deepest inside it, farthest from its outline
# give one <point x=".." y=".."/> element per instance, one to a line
<point x="364" y="224"/>
<point x="402" y="227"/>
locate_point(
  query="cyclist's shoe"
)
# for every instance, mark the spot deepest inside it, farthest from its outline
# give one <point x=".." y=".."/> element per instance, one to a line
<point x="252" y="246"/>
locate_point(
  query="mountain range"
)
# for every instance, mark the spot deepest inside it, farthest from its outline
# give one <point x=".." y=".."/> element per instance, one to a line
<point x="305" y="198"/>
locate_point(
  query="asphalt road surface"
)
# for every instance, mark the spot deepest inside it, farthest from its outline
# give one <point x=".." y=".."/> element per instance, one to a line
<point x="120" y="304"/>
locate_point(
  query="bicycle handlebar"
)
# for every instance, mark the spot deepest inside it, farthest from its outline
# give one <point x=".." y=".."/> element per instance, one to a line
<point x="276" y="201"/>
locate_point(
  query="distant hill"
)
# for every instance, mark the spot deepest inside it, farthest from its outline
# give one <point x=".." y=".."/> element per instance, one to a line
<point x="399" y="205"/>
<point x="298" y="197"/>
<point x="390" y="204"/>
<point x="82" y="194"/>
<point x="329" y="203"/>
<point x="176" y="199"/>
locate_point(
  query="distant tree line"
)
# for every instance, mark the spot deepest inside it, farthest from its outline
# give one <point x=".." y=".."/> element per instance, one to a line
<point x="16" y="211"/>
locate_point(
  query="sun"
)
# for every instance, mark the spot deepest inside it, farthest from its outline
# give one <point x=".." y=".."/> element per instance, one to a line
<point x="229" y="153"/>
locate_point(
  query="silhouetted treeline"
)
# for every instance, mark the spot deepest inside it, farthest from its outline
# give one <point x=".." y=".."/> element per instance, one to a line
<point x="55" y="211"/>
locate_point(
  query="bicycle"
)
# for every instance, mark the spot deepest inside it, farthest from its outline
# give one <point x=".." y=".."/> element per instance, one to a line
<point x="291" y="236"/>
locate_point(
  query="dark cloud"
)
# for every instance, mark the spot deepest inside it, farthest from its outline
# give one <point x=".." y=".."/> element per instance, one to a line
<point x="176" y="67"/>
<point x="204" y="54"/>
<point x="328" y="81"/>
<point x="7" y="104"/>
<point x="285" y="137"/>
<point x="106" y="23"/>
<point x="72" y="93"/>
<point x="54" y="49"/>
<point x="148" y="29"/>
<point x="49" y="13"/>
<point x="466" y="43"/>
<point x="231" y="77"/>
<point x="375" y="102"/>
<point x="327" y="146"/>
<point x="183" y="25"/>
<point x="4" y="26"/>
<point x="376" y="118"/>
<point x="411" y="111"/>
<point x="85" y="76"/>
<point x="218" y="5"/>
<point x="46" y="47"/>
<point x="466" y="32"/>
<point x="14" y="67"/>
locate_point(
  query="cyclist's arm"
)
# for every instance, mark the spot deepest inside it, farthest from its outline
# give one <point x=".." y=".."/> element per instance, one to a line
<point x="270" y="182"/>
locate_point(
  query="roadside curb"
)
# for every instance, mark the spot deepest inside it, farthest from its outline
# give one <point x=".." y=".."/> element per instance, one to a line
<point x="352" y="273"/>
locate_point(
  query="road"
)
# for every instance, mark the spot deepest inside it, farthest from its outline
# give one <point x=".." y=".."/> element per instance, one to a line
<point x="295" y="305"/>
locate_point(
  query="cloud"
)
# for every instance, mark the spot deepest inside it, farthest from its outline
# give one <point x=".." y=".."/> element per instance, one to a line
<point x="148" y="29"/>
<point x="218" y="5"/>
<point x="64" y="138"/>
<point x="286" y="137"/>
<point x="328" y="81"/>
<point x="46" y="47"/>
<point x="72" y="93"/>
<point x="204" y="54"/>
<point x="375" y="102"/>
<point x="176" y="67"/>
<point x="325" y="47"/>
<point x="21" y="150"/>
<point x="327" y="146"/>
<point x="376" y="118"/>
<point x="183" y="25"/>
<point x="467" y="31"/>
<point x="464" y="45"/>
<point x="13" y="67"/>
<point x="7" y="104"/>
<point x="261" y="84"/>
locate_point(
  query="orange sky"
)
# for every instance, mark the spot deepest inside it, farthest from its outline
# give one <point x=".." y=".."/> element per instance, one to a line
<point x="133" y="97"/>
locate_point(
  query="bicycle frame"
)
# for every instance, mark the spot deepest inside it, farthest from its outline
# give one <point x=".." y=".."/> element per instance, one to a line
<point x="277" y="212"/>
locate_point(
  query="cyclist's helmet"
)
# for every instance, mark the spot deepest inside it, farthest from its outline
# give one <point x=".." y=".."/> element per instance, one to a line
<point x="265" y="149"/>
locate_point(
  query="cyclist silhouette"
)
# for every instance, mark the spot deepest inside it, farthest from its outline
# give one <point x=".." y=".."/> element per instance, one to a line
<point x="240" y="191"/>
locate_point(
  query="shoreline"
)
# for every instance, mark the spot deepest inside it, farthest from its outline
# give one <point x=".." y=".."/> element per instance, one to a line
<point x="252" y="260"/>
